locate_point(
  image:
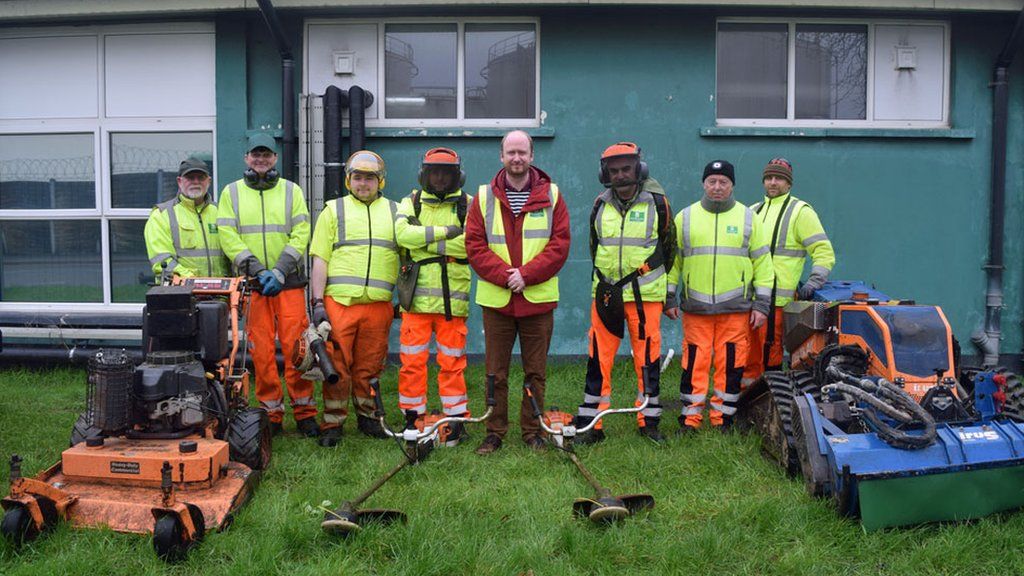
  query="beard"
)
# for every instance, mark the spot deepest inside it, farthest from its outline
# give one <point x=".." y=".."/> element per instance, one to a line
<point x="193" y="193"/>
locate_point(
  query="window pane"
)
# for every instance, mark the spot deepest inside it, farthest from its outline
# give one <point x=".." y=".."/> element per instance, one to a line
<point x="501" y="71"/>
<point x="144" y="166"/>
<point x="831" y="72"/>
<point x="47" y="171"/>
<point x="752" y="70"/>
<point x="130" y="272"/>
<point x="50" y="261"/>
<point x="420" y="68"/>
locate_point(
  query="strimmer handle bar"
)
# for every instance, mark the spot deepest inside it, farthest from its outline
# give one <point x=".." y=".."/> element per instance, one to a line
<point x="375" y="392"/>
<point x="528" y="390"/>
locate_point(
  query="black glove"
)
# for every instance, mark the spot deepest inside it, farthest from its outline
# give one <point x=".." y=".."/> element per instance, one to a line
<point x="320" y="314"/>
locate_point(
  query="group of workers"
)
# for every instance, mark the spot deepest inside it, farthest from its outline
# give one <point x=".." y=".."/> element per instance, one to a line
<point x="725" y="268"/>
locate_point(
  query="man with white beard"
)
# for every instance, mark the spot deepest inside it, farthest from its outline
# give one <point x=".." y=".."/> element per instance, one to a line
<point x="181" y="233"/>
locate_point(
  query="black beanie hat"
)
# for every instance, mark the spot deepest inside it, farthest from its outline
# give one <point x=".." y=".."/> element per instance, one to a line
<point x="722" y="167"/>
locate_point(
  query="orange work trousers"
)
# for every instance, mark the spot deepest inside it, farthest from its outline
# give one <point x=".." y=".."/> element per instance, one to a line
<point x="604" y="345"/>
<point x="282" y="317"/>
<point x="360" y="336"/>
<point x="755" y="358"/>
<point x="723" y="339"/>
<point x="451" y="359"/>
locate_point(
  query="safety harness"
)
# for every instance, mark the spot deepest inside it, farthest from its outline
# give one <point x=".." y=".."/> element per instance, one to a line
<point x="410" y="267"/>
<point x="769" y="339"/>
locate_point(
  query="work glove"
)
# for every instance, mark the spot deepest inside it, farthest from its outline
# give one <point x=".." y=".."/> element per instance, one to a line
<point x="452" y="232"/>
<point x="320" y="314"/>
<point x="806" y="291"/>
<point x="271" y="286"/>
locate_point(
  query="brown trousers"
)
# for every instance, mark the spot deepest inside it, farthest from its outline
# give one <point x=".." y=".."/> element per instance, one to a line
<point x="534" y="334"/>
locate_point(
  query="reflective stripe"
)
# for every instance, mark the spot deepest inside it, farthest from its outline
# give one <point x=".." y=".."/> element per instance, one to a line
<point x="766" y="292"/>
<point x="787" y="252"/>
<point x="783" y="293"/>
<point x="173" y="264"/>
<point x="172" y="220"/>
<point x="820" y="271"/>
<point x="288" y="197"/>
<point x="273" y="406"/>
<point x="600" y="224"/>
<point x="719" y="250"/>
<point x="333" y="418"/>
<point x="333" y="404"/>
<point x="591" y="399"/>
<point x="816" y="238"/>
<point x="454" y="400"/>
<point x="291" y="251"/>
<point x="613" y="241"/>
<point x="457" y="409"/>
<point x="197" y="252"/>
<point x="386" y="244"/>
<point x="651" y="217"/>
<point x="429" y="234"/>
<point x="357" y="281"/>
<point x="784" y="228"/>
<point x="227" y="222"/>
<point x="233" y="190"/>
<point x="759" y="252"/>
<point x="339" y="210"/>
<point x="450" y="352"/>
<point x="159" y="258"/>
<point x="414" y="400"/>
<point x="418" y="349"/>
<point x="299" y="218"/>
<point x="692" y="410"/>
<point x="725" y="409"/>
<point x="717" y="298"/>
<point x="582" y="411"/>
<point x="748" y="228"/>
<point x="242" y="257"/>
<point x="692" y="398"/>
<point x="304" y="401"/>
<point x="686" y="230"/>
<point x="726" y="396"/>
<point x="492" y="237"/>
<point x="260" y="228"/>
<point x="651" y="276"/>
<point x="533" y="234"/>
<point x="455" y="294"/>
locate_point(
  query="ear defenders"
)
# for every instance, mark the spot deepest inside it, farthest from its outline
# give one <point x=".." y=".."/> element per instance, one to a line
<point x="366" y="162"/>
<point x="443" y="157"/>
<point x="622" y="149"/>
<point x="265" y="182"/>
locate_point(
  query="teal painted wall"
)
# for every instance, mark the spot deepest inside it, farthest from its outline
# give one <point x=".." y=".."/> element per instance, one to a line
<point x="910" y="215"/>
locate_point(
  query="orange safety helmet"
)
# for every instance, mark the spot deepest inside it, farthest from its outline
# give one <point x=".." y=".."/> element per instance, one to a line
<point x="618" y="150"/>
<point x="365" y="162"/>
<point x="444" y="158"/>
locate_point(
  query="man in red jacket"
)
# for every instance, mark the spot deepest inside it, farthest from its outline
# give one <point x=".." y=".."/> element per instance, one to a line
<point x="517" y="239"/>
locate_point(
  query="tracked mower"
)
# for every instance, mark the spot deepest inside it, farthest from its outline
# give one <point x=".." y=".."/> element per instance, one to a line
<point x="169" y="447"/>
<point x="876" y="413"/>
<point x="422" y="433"/>
<point x="604" y="507"/>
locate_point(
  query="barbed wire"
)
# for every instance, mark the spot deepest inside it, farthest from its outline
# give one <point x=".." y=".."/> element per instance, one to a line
<point x="125" y="160"/>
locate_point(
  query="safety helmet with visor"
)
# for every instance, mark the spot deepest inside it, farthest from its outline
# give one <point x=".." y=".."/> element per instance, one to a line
<point x="365" y="162"/>
<point x="442" y="159"/>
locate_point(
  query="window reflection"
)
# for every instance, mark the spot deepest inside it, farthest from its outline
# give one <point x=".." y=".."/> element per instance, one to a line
<point x="47" y="171"/>
<point x="420" y="67"/>
<point x="144" y="166"/>
<point x="130" y="272"/>
<point x="501" y="64"/>
<point x="50" y="261"/>
<point x="831" y="72"/>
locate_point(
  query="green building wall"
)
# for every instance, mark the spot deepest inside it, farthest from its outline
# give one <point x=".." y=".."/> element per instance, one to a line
<point x="909" y="214"/>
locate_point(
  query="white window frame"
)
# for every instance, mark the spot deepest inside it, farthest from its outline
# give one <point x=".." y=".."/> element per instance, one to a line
<point x="100" y="128"/>
<point x="460" y="81"/>
<point x="868" y="122"/>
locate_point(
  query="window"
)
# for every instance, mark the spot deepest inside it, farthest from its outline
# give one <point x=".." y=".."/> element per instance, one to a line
<point x="470" y="72"/>
<point x="814" y="73"/>
<point x="79" y="176"/>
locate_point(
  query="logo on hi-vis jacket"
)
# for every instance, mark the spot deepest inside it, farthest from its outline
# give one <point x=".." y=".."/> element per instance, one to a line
<point x="732" y="229"/>
<point x="212" y="228"/>
<point x="637" y="216"/>
<point x="537" y="214"/>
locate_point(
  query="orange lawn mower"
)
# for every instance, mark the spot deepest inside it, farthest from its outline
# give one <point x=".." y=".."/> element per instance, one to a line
<point x="604" y="507"/>
<point x="417" y="440"/>
<point x="169" y="447"/>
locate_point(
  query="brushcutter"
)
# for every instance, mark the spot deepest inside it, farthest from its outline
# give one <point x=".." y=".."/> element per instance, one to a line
<point x="417" y="440"/>
<point x="604" y="508"/>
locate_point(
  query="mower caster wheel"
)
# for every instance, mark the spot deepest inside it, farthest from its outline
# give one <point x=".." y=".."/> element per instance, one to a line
<point x="169" y="539"/>
<point x="17" y="526"/>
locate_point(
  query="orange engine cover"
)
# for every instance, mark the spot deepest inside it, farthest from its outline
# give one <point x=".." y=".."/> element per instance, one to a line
<point x="139" y="462"/>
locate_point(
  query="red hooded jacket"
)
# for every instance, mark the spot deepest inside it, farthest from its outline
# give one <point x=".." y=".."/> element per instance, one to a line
<point x="545" y="265"/>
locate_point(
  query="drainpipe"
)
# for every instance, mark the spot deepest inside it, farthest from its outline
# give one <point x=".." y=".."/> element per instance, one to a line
<point x="358" y="101"/>
<point x="987" y="338"/>
<point x="288" y="140"/>
<point x="334" y="100"/>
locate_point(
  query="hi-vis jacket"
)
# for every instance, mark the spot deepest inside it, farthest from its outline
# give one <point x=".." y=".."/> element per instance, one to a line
<point x="723" y="261"/>
<point x="184" y="239"/>
<point x="799" y="233"/>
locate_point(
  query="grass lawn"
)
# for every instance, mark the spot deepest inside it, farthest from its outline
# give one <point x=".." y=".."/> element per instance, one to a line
<point x="721" y="507"/>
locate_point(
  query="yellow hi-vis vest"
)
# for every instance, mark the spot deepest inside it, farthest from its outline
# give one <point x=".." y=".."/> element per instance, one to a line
<point x="185" y="239"/>
<point x="800" y="233"/>
<point x="427" y="241"/>
<point x="725" y="260"/>
<point x="364" y="263"/>
<point x="625" y="242"/>
<point x="536" y="232"/>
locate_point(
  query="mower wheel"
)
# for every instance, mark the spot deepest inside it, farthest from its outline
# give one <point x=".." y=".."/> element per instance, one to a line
<point x="17" y="526"/>
<point x="83" y="429"/>
<point x="1013" y="408"/>
<point x="169" y="539"/>
<point x="249" y="438"/>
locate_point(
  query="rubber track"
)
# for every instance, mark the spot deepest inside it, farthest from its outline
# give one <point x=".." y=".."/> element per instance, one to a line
<point x="1014" y="406"/>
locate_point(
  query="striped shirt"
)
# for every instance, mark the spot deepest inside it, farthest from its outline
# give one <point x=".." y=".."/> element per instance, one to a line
<point x="517" y="199"/>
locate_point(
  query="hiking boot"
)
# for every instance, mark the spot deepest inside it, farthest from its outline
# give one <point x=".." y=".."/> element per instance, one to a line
<point x="456" y="433"/>
<point x="652" y="433"/>
<point x="329" y="438"/>
<point x="536" y="443"/>
<point x="308" y="427"/>
<point x="276" y="428"/>
<point x="492" y="443"/>
<point x="592" y="436"/>
<point x="370" y="427"/>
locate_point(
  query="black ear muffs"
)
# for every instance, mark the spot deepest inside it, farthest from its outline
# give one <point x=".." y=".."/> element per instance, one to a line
<point x="641" y="171"/>
<point x="256" y="182"/>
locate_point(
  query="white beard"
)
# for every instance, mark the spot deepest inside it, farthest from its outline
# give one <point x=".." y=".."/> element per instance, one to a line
<point x="193" y="195"/>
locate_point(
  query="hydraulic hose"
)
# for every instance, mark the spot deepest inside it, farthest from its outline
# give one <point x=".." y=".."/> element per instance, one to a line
<point x="889" y="399"/>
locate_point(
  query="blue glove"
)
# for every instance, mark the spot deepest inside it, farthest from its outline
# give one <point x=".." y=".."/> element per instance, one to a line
<point x="271" y="285"/>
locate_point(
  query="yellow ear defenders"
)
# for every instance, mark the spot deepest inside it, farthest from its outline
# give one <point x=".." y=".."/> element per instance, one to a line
<point x="365" y="162"/>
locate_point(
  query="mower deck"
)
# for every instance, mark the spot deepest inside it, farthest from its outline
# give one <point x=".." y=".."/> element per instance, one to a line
<point x="118" y="484"/>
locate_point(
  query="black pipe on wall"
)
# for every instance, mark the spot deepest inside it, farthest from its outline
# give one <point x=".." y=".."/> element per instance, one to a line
<point x="358" y="101"/>
<point x="288" y="140"/>
<point x="334" y="100"/>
